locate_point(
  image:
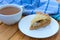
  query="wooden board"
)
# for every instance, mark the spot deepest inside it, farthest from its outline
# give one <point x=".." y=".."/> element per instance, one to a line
<point x="12" y="33"/>
<point x="6" y="32"/>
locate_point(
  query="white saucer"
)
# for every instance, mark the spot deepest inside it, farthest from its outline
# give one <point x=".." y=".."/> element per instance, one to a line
<point x="45" y="32"/>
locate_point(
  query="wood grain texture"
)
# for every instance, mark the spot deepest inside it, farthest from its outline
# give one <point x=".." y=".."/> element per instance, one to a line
<point x="12" y="33"/>
<point x="17" y="36"/>
<point x="7" y="31"/>
<point x="24" y="37"/>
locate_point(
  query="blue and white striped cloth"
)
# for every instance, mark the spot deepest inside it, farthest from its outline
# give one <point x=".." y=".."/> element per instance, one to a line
<point x="51" y="7"/>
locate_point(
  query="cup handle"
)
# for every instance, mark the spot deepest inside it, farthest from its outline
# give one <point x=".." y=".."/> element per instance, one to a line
<point x="22" y="8"/>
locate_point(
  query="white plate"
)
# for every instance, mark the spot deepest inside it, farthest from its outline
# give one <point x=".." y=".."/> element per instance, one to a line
<point x="45" y="32"/>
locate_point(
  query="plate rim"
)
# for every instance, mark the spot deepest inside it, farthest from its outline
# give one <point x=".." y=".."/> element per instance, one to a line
<point x="37" y="37"/>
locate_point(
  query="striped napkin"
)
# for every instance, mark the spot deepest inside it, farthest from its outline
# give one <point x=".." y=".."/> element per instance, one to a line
<point x="51" y="7"/>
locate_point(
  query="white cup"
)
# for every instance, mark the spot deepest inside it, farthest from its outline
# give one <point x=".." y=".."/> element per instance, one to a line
<point x="13" y="18"/>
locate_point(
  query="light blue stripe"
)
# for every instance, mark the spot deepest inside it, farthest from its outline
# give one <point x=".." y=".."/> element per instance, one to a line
<point x="46" y="6"/>
<point x="9" y="1"/>
<point x="1" y="1"/>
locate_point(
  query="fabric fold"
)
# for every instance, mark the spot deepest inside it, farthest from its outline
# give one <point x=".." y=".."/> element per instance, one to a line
<point x="51" y="7"/>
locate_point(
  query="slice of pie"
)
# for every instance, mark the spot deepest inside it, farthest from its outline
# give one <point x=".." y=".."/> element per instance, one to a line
<point x="40" y="20"/>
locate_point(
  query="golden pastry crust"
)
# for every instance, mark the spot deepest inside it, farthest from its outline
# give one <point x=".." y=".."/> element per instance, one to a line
<point x="40" y="20"/>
